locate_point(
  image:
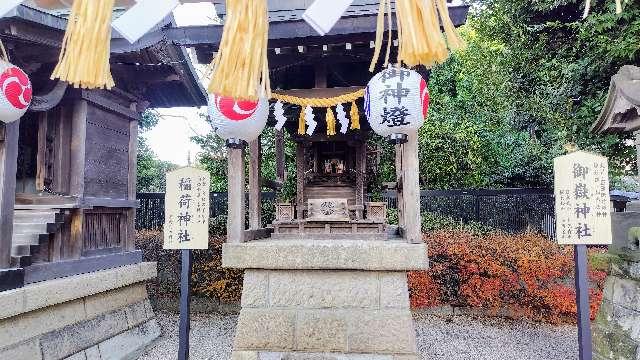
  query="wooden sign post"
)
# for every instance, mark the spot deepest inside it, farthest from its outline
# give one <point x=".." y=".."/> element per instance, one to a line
<point x="581" y="186"/>
<point x="186" y="227"/>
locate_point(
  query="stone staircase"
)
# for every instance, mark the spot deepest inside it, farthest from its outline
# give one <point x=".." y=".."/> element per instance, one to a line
<point x="32" y="229"/>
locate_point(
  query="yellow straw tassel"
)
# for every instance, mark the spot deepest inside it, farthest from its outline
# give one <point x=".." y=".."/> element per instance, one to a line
<point x="240" y="69"/>
<point x="86" y="47"/>
<point x="420" y="39"/>
<point x="301" y="122"/>
<point x="355" y="116"/>
<point x="331" y="122"/>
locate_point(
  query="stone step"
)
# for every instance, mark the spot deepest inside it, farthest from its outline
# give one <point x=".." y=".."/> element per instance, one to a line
<point x="29" y="239"/>
<point x="23" y="250"/>
<point x="27" y="216"/>
<point x="21" y="261"/>
<point x="29" y="228"/>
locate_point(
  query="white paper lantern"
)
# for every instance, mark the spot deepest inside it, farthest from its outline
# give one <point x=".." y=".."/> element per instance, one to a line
<point x="396" y="102"/>
<point x="237" y="121"/>
<point x="16" y="92"/>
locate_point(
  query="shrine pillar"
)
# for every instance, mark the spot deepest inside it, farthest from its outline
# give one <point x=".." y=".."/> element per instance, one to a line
<point x="409" y="189"/>
<point x="255" y="184"/>
<point x="236" y="197"/>
<point x="8" y="165"/>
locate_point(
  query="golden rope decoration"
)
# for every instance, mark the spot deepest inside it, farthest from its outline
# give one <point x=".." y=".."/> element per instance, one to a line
<point x="241" y="68"/>
<point x="319" y="102"/>
<point x="84" y="58"/>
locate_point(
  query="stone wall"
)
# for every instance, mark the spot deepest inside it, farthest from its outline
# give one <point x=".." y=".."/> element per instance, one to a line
<point x="101" y="315"/>
<point x="616" y="331"/>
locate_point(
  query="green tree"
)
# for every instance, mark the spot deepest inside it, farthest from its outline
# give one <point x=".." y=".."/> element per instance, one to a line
<point x="532" y="79"/>
<point x="150" y="170"/>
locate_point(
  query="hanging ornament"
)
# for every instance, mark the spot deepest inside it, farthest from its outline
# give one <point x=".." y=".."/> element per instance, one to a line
<point x="240" y="68"/>
<point x="17" y="91"/>
<point x="86" y="47"/>
<point x="355" y="116"/>
<point x="420" y="40"/>
<point x="237" y="121"/>
<point x="342" y="118"/>
<point x="331" y="122"/>
<point x="309" y="119"/>
<point x="278" y="113"/>
<point x="401" y="103"/>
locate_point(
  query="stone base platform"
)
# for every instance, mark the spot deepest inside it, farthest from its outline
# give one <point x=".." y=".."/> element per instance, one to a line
<point x="98" y="316"/>
<point x="325" y="300"/>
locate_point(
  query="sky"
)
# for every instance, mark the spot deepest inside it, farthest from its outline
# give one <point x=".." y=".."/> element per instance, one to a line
<point x="170" y="139"/>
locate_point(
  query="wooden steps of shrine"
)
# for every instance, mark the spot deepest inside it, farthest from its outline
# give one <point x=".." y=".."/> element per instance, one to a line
<point x="330" y="192"/>
<point x="32" y="228"/>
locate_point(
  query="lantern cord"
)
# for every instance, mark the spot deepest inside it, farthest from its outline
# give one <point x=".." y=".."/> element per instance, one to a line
<point x="86" y="47"/>
<point x="3" y="52"/>
<point x="319" y="102"/>
<point x="240" y="69"/>
<point x="355" y="116"/>
<point x="331" y="122"/>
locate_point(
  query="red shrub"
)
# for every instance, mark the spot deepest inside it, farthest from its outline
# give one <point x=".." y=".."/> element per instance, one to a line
<point x="525" y="274"/>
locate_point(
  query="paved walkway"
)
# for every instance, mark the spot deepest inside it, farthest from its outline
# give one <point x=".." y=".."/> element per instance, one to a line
<point x="439" y="338"/>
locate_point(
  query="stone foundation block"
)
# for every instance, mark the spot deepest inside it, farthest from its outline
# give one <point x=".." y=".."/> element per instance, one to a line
<point x="323" y="289"/>
<point x="265" y="329"/>
<point x="325" y="314"/>
<point x="322" y="330"/>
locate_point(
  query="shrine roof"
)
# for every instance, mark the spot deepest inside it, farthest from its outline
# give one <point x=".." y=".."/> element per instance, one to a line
<point x="621" y="111"/>
<point x="153" y="69"/>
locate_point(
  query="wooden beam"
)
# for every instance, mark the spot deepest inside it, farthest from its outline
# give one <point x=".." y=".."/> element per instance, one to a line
<point x="255" y="194"/>
<point x="46" y="102"/>
<point x="78" y="147"/>
<point x="132" y="182"/>
<point x="399" y="197"/>
<point x="300" y="169"/>
<point x="41" y="156"/>
<point x="8" y="166"/>
<point x="280" y="169"/>
<point x="320" y="92"/>
<point x="290" y="33"/>
<point x="361" y="168"/>
<point x="411" y="189"/>
<point x="62" y="149"/>
<point x="236" y="213"/>
<point x="73" y="249"/>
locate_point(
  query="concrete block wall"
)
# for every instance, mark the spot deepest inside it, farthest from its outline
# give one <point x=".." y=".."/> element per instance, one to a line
<point x="80" y="317"/>
<point x="322" y="314"/>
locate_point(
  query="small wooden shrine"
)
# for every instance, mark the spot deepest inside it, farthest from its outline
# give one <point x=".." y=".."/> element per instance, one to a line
<point x="327" y="279"/>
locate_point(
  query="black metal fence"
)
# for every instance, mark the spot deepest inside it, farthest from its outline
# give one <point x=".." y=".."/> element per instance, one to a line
<point x="510" y="210"/>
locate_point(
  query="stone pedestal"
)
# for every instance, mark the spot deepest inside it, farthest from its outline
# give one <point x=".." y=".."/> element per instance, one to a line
<point x="100" y="315"/>
<point x="324" y="299"/>
<point x="616" y="331"/>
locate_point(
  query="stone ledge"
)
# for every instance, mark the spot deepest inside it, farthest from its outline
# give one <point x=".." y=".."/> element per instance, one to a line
<point x="52" y="292"/>
<point x="265" y="355"/>
<point x="326" y="254"/>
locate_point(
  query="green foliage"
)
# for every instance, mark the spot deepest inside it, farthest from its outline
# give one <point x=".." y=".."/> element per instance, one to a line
<point x="150" y="170"/>
<point x="432" y="222"/>
<point x="533" y="78"/>
<point x="214" y="159"/>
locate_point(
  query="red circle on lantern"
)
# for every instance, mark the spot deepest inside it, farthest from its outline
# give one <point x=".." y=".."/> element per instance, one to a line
<point x="235" y="110"/>
<point x="16" y="87"/>
<point x="424" y="95"/>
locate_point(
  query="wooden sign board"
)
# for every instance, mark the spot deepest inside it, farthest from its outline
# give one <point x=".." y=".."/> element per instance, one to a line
<point x="187" y="209"/>
<point x="581" y="187"/>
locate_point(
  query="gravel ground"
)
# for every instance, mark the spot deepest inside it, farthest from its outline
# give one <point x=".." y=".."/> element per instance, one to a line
<point x="439" y="338"/>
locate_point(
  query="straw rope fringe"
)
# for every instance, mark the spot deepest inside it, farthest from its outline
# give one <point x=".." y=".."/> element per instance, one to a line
<point x="319" y="102"/>
<point x="420" y="40"/>
<point x="241" y="69"/>
<point x="86" y="47"/>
